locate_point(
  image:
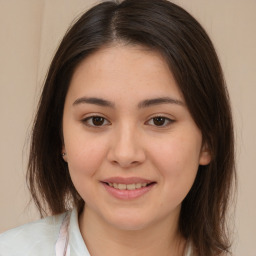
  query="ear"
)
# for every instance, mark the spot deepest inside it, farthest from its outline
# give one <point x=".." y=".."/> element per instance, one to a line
<point x="205" y="155"/>
<point x="64" y="154"/>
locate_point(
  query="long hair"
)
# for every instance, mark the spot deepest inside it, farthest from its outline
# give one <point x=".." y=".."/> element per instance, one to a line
<point x="167" y="28"/>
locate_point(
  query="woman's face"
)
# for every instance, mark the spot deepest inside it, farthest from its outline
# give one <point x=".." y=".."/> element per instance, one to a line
<point x="132" y="147"/>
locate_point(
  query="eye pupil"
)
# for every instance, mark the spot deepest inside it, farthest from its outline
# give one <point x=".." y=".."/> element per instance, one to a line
<point x="158" y="121"/>
<point x="97" y="120"/>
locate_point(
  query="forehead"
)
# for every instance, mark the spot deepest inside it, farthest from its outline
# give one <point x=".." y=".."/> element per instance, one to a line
<point x="116" y="68"/>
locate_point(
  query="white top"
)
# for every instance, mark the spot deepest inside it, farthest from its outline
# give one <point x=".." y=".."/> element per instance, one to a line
<point x="40" y="238"/>
<point x="53" y="236"/>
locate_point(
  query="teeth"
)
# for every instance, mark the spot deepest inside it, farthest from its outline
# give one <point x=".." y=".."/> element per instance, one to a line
<point x="121" y="186"/>
<point x="138" y="185"/>
<point x="128" y="186"/>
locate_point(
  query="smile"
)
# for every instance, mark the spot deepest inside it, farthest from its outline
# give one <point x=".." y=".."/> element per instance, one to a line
<point x="128" y="186"/>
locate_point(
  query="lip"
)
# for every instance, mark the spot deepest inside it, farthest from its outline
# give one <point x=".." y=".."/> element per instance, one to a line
<point x="127" y="194"/>
<point x="128" y="180"/>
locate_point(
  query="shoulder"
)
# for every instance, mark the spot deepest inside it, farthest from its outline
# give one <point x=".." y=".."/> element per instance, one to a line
<point x="32" y="237"/>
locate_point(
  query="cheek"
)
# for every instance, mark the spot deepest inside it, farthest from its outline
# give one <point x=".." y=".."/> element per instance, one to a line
<point x="177" y="162"/>
<point x="178" y="153"/>
<point x="84" y="159"/>
<point x="83" y="163"/>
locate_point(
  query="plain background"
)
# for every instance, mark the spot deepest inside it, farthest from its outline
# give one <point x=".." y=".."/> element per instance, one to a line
<point x="30" y="32"/>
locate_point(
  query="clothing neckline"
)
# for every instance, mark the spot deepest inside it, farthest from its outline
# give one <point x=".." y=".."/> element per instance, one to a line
<point x="70" y="235"/>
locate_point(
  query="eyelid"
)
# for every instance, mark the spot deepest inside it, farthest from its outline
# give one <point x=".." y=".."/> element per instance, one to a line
<point x="85" y="121"/>
<point x="87" y="118"/>
<point x="170" y="120"/>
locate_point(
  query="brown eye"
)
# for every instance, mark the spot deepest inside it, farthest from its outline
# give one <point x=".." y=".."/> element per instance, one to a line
<point x="95" y="121"/>
<point x="160" y="121"/>
<point x="98" y="121"/>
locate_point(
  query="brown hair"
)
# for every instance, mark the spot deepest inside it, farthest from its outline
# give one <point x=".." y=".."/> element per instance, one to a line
<point x="170" y="30"/>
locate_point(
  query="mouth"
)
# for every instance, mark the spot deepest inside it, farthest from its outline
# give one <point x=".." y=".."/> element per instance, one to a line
<point x="132" y="186"/>
<point x="128" y="188"/>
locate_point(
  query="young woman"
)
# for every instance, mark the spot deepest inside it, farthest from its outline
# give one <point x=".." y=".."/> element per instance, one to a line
<point x="132" y="148"/>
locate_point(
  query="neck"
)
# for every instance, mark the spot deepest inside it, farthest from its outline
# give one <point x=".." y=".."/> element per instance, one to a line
<point x="161" y="238"/>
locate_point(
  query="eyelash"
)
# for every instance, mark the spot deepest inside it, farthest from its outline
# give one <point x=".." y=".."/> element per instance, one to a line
<point x="167" y="121"/>
<point x="90" y="118"/>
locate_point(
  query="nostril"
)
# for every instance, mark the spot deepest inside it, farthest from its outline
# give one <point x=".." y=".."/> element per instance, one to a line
<point x="125" y="164"/>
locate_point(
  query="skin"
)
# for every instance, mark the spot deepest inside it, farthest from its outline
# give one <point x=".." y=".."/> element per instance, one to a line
<point x="128" y="143"/>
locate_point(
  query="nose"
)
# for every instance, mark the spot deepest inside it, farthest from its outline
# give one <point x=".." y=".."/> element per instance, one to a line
<point x="126" y="148"/>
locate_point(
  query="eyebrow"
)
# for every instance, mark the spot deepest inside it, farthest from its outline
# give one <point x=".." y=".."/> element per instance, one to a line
<point x="158" y="101"/>
<point x="95" y="101"/>
<point x="142" y="104"/>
